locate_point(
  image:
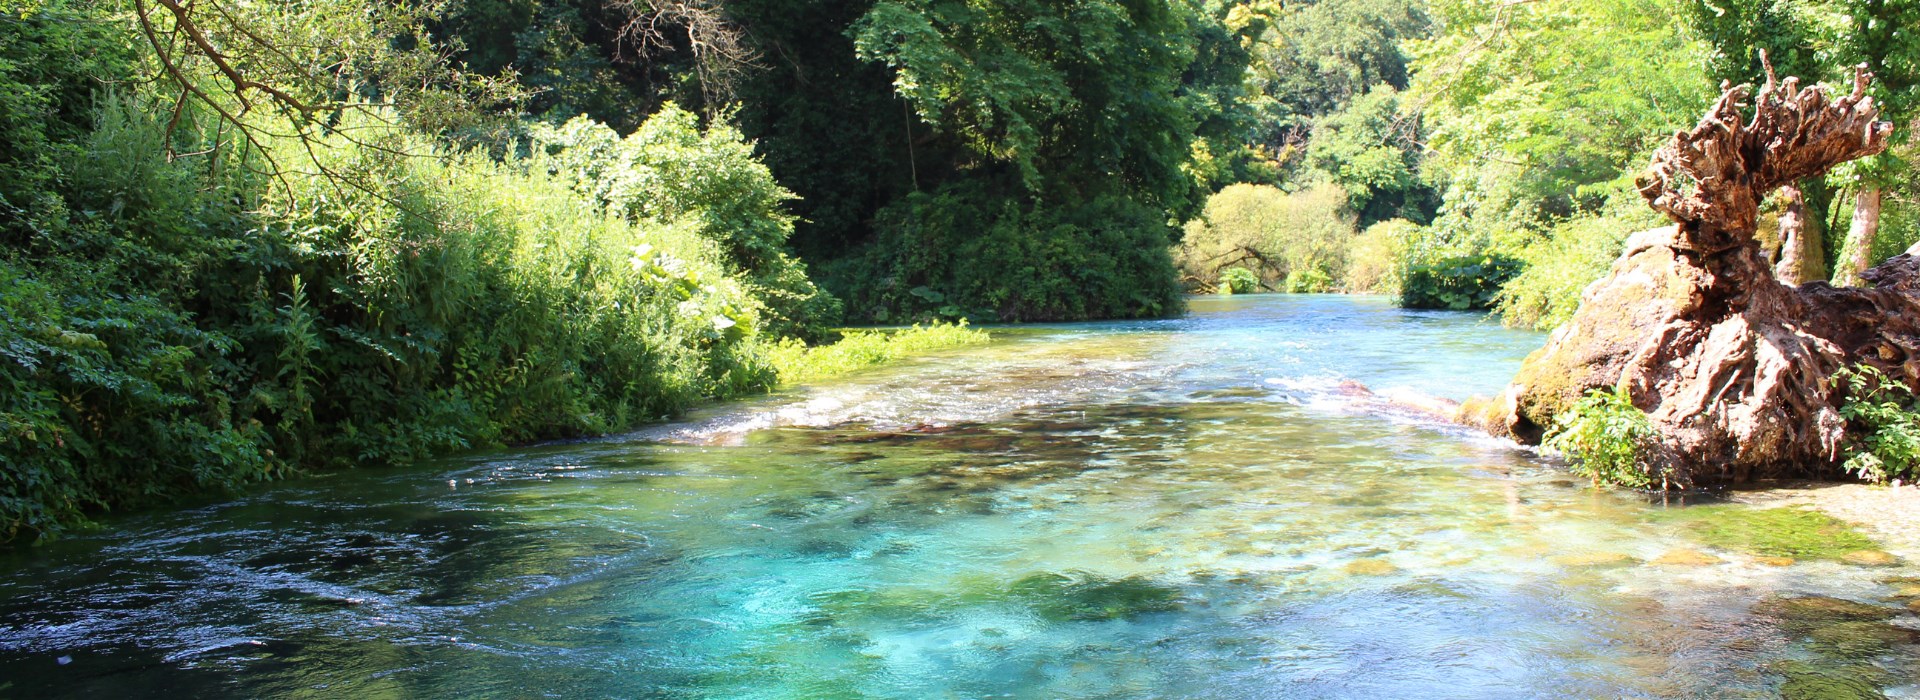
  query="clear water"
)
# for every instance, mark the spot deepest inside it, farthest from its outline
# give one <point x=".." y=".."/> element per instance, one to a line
<point x="1195" y="508"/>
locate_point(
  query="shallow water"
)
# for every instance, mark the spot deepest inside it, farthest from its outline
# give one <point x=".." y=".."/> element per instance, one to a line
<point x="1196" y="508"/>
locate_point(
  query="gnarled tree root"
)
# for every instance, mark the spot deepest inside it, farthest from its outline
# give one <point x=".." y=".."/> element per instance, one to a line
<point x="1732" y="367"/>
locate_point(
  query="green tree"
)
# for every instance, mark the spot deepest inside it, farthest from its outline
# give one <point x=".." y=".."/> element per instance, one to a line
<point x="1366" y="149"/>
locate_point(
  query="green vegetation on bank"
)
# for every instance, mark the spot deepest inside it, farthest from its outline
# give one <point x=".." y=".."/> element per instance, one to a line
<point x="194" y="296"/>
<point x="797" y="363"/>
<point x="240" y="240"/>
<point x="1605" y="438"/>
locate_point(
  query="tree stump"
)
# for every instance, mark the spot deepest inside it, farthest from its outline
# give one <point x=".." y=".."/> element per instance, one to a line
<point x="1732" y="367"/>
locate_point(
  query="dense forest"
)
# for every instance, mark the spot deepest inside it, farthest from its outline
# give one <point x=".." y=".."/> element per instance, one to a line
<point x="243" y="240"/>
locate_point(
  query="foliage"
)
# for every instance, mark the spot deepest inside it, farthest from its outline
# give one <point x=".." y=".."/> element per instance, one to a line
<point x="1440" y="272"/>
<point x="963" y="253"/>
<point x="1239" y="280"/>
<point x="1560" y="265"/>
<point x="1272" y="232"/>
<point x="1084" y="97"/>
<point x="1365" y="149"/>
<point x="178" y="317"/>
<point x="1606" y="438"/>
<point x="797" y="363"/>
<point x="1535" y="110"/>
<point x="1884" y="443"/>
<point x="670" y="172"/>
<point x="1308" y="280"/>
<point x="1311" y="59"/>
<point x="1374" y="257"/>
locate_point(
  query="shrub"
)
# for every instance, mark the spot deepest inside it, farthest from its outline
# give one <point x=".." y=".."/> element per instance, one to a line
<point x="1374" y="258"/>
<point x="1239" y="280"/>
<point x="171" y="329"/>
<point x="670" y="172"/>
<point x="1883" y="442"/>
<point x="1558" y="267"/>
<point x="1308" y="280"/>
<point x="1269" y="231"/>
<point x="1458" y="281"/>
<point x="1606" y="438"/>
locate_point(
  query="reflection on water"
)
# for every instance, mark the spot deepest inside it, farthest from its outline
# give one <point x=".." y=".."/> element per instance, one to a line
<point x="1191" y="508"/>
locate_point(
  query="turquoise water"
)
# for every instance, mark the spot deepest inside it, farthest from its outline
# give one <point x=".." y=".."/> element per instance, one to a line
<point x="1195" y="508"/>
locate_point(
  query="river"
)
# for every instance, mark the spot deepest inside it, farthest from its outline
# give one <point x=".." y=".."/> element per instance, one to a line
<point x="1189" y="508"/>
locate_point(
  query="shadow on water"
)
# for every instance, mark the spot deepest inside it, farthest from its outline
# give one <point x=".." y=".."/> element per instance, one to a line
<point x="1191" y="508"/>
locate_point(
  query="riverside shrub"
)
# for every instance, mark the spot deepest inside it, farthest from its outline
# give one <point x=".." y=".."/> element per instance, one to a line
<point x="182" y="324"/>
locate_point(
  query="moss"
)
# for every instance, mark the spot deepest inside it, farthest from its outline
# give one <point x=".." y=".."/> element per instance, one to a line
<point x="1769" y="532"/>
<point x="1822" y="686"/>
<point x="1811" y="681"/>
<point x="797" y="363"/>
<point x="1053" y="596"/>
<point x="1858" y="639"/>
<point x="1804" y="613"/>
<point x="1059" y="597"/>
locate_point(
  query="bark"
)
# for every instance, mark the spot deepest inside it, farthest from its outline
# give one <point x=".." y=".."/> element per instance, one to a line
<point x="1802" y="257"/>
<point x="1732" y="367"/>
<point x="1860" y="238"/>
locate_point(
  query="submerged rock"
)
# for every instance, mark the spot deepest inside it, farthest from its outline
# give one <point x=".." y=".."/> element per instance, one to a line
<point x="1809" y="682"/>
<point x="1686" y="557"/>
<point x="1370" y="567"/>
<point x="1595" y="560"/>
<point x="1815" y="610"/>
<point x="1870" y="557"/>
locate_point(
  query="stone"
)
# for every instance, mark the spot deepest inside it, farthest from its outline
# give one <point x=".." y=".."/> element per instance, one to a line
<point x="1870" y="557"/>
<point x="1775" y="561"/>
<point x="1686" y="557"/>
<point x="1594" y="560"/>
<point x="1370" y="567"/>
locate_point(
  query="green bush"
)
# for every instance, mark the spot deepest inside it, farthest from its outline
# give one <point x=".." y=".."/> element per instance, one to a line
<point x="968" y="253"/>
<point x="1239" y="280"/>
<point x="1374" y="258"/>
<point x="1270" y="231"/>
<point x="1560" y="265"/>
<point x="1457" y="281"/>
<point x="182" y="324"/>
<point x="1883" y="440"/>
<point x="1308" y="280"/>
<point x="1606" y="438"/>
<point x="670" y="172"/>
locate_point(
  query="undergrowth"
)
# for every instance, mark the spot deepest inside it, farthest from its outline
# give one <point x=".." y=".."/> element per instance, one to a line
<point x="1883" y="436"/>
<point x="1607" y="439"/>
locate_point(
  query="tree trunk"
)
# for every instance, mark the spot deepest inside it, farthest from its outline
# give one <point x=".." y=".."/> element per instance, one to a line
<point x="1801" y="255"/>
<point x="1860" y="238"/>
<point x="1732" y="368"/>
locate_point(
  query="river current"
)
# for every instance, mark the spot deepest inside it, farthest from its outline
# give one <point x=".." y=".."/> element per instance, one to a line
<point x="1204" y="507"/>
